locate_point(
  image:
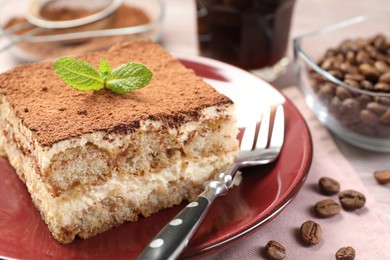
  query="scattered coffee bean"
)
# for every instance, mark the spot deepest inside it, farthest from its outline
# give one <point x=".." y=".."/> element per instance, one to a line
<point x="328" y="186"/>
<point x="382" y="177"/>
<point x="345" y="253"/>
<point x="310" y="232"/>
<point x="351" y="199"/>
<point x="275" y="250"/>
<point x="327" y="208"/>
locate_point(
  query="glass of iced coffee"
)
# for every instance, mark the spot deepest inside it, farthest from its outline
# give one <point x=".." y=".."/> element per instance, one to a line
<point x="250" y="34"/>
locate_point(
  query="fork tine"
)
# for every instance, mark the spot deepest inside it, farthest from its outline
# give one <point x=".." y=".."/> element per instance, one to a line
<point x="262" y="137"/>
<point x="248" y="137"/>
<point x="250" y="133"/>
<point x="277" y="137"/>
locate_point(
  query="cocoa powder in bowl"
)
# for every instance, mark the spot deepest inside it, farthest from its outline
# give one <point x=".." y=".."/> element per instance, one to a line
<point x="125" y="16"/>
<point x="362" y="63"/>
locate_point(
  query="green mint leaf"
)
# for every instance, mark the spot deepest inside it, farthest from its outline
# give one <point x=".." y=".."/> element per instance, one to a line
<point x="129" y="77"/>
<point x="82" y="76"/>
<point x="78" y="74"/>
<point x="105" y="68"/>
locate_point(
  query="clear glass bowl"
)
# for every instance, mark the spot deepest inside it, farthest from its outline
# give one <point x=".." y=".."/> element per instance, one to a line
<point x="341" y="73"/>
<point x="123" y="25"/>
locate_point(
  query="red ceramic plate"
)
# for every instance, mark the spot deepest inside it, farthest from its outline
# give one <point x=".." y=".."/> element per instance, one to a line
<point x="263" y="193"/>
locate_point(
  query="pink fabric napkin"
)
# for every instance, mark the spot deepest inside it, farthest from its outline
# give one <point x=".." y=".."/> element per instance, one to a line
<point x="366" y="229"/>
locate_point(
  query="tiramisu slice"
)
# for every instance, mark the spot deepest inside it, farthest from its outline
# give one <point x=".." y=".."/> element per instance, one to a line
<point x="92" y="160"/>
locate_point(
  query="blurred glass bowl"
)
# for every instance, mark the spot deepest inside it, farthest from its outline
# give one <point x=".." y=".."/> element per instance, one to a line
<point x="341" y="70"/>
<point x="132" y="21"/>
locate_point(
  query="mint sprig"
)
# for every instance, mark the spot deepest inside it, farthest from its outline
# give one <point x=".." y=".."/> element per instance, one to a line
<point x="82" y="76"/>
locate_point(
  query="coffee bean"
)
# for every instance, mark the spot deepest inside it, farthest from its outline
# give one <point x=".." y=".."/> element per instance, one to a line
<point x="327" y="91"/>
<point x="362" y="57"/>
<point x="368" y="118"/>
<point x="345" y="253"/>
<point x="382" y="87"/>
<point x="346" y="67"/>
<point x="328" y="186"/>
<point x="348" y="119"/>
<point x="335" y="104"/>
<point x="383" y="101"/>
<point x="382" y="177"/>
<point x="365" y="130"/>
<point x="328" y="63"/>
<point x="378" y="58"/>
<point x="380" y="42"/>
<point x="275" y="250"/>
<point x="382" y="66"/>
<point x="385" y="77"/>
<point x="354" y="76"/>
<point x="383" y="131"/>
<point x="339" y="58"/>
<point x="372" y="52"/>
<point x="337" y="73"/>
<point x="351" y="199"/>
<point x="376" y="108"/>
<point x="350" y="57"/>
<point x="349" y="107"/>
<point x="385" y="118"/>
<point x="366" y="85"/>
<point x="364" y="100"/>
<point x="352" y="83"/>
<point x="343" y="93"/>
<point x="369" y="71"/>
<point x="316" y="80"/>
<point x="330" y="53"/>
<point x="327" y="208"/>
<point x="348" y="45"/>
<point x="310" y="232"/>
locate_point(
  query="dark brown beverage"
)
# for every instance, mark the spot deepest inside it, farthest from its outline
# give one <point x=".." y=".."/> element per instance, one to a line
<point x="250" y="34"/>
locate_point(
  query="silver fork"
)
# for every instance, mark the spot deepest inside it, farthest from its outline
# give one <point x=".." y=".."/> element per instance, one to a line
<point x="256" y="148"/>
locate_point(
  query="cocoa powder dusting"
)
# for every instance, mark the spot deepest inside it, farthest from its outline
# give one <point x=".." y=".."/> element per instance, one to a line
<point x="175" y="95"/>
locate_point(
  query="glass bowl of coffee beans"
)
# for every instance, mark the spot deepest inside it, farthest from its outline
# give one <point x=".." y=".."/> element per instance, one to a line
<point x="128" y="20"/>
<point x="344" y="72"/>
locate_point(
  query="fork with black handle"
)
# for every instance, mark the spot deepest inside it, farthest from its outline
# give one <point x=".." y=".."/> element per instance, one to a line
<point x="259" y="146"/>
